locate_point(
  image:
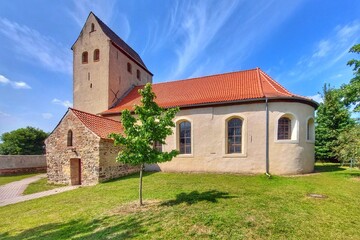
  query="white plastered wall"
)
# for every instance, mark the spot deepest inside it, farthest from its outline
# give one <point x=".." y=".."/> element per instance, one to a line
<point x="209" y="141"/>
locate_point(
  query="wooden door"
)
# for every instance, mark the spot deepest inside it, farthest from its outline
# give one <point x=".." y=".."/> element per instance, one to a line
<point x="75" y="171"/>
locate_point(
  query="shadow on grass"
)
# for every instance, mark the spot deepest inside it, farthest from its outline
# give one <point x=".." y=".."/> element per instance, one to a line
<point x="110" y="227"/>
<point x="352" y="174"/>
<point x="195" y="197"/>
<point x="130" y="176"/>
<point x="320" y="167"/>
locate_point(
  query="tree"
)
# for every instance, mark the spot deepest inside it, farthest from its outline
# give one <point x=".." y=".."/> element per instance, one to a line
<point x="332" y="118"/>
<point x="23" y="141"/>
<point x="152" y="124"/>
<point x="348" y="145"/>
<point x="351" y="91"/>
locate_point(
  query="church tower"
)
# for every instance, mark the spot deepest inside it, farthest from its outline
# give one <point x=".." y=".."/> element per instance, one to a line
<point x="105" y="68"/>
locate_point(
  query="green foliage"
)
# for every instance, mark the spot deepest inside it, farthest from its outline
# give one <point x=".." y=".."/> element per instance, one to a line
<point x="40" y="186"/>
<point x="332" y="118"/>
<point x="351" y="91"/>
<point x="348" y="145"/>
<point x="23" y="141"/>
<point x="151" y="124"/>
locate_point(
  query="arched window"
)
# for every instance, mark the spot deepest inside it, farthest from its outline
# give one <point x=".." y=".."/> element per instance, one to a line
<point x="185" y="137"/>
<point x="85" y="57"/>
<point x="69" y="138"/>
<point x="158" y="146"/>
<point x="138" y="74"/>
<point x="96" y="55"/>
<point x="284" y="128"/>
<point x="92" y="27"/>
<point x="234" y="135"/>
<point x="129" y="67"/>
<point x="310" y="130"/>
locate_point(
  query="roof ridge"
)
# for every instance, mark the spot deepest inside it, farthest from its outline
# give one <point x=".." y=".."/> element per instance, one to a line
<point x="260" y="82"/>
<point x="94" y="115"/>
<point x="102" y="24"/>
<point x="267" y="78"/>
<point x="101" y="21"/>
<point x="206" y="76"/>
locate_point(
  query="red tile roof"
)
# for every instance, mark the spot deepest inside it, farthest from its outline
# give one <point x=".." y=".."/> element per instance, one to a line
<point x="228" y="87"/>
<point x="101" y="126"/>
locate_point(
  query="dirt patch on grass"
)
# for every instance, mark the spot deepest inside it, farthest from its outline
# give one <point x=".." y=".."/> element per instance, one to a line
<point x="356" y="179"/>
<point x="134" y="207"/>
<point x="302" y="174"/>
<point x="316" y="195"/>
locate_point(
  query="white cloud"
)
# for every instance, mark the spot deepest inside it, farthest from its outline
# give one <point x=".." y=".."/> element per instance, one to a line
<point x="316" y="97"/>
<point x="3" y="114"/>
<point x="20" y="85"/>
<point x="14" y="84"/>
<point x="194" y="29"/>
<point x="82" y="9"/>
<point x="46" y="115"/>
<point x="324" y="47"/>
<point x="4" y="80"/>
<point x="36" y="47"/>
<point x="328" y="52"/>
<point x="65" y="103"/>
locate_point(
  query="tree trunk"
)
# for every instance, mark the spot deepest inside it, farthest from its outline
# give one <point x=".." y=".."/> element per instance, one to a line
<point x="140" y="184"/>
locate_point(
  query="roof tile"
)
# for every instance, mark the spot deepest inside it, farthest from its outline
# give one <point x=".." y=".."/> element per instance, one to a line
<point x="227" y="87"/>
<point x="101" y="126"/>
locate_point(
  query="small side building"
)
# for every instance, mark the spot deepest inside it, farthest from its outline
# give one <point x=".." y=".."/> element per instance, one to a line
<point x="79" y="151"/>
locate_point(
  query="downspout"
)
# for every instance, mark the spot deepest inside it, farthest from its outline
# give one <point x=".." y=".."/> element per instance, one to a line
<point x="267" y="138"/>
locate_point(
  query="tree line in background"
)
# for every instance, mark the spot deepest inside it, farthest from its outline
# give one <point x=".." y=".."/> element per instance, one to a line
<point x="23" y="141"/>
<point x="337" y="134"/>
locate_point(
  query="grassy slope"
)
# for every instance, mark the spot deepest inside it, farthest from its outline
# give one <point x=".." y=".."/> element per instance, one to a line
<point x="39" y="186"/>
<point x="13" y="178"/>
<point x="218" y="206"/>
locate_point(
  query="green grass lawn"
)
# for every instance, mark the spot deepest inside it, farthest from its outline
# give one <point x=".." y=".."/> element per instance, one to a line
<point x="196" y="206"/>
<point x="13" y="178"/>
<point x="39" y="186"/>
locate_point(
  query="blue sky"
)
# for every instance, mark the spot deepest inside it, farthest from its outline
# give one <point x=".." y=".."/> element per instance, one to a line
<point x="300" y="43"/>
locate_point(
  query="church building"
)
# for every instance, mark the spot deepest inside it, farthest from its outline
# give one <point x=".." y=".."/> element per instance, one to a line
<point x="237" y="122"/>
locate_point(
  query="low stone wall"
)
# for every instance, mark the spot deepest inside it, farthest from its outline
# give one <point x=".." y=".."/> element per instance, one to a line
<point x="15" y="164"/>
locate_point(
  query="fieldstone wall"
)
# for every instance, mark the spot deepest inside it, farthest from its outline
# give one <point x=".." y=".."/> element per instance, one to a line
<point x="109" y="167"/>
<point x="85" y="147"/>
<point x="13" y="164"/>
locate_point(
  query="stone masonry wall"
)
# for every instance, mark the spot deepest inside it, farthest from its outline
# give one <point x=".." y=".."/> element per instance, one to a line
<point x="109" y="167"/>
<point x="85" y="147"/>
<point x="11" y="164"/>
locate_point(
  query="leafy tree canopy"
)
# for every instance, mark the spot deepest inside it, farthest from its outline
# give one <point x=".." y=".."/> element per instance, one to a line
<point x="351" y="91"/>
<point x="332" y="118"/>
<point x="23" y="141"/>
<point x="348" y="145"/>
<point x="149" y="124"/>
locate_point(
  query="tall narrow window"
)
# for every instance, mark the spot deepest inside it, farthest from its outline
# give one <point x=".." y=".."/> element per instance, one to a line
<point x="85" y="57"/>
<point x="138" y="74"/>
<point x="284" y="128"/>
<point x="310" y="130"/>
<point x="70" y="138"/>
<point x="92" y="27"/>
<point x="96" y="55"/>
<point x="185" y="137"/>
<point x="129" y="67"/>
<point x="158" y="146"/>
<point x="234" y="135"/>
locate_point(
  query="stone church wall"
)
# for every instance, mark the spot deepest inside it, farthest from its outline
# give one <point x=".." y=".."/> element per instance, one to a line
<point x="109" y="167"/>
<point x="85" y="147"/>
